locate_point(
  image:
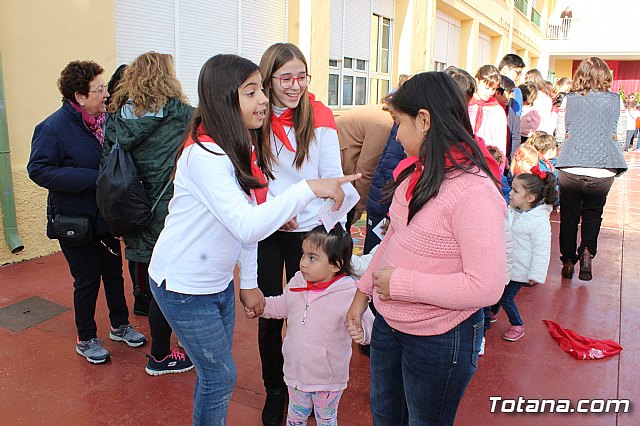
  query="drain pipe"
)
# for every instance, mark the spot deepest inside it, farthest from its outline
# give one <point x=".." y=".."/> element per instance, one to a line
<point x="7" y="200"/>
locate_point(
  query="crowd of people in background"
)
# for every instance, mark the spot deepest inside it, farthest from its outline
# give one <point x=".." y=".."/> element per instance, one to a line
<point x="449" y="166"/>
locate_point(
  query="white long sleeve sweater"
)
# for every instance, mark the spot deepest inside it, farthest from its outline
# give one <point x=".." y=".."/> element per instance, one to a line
<point x="212" y="224"/>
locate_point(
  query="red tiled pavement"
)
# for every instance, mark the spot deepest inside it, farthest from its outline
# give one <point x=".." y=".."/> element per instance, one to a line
<point x="43" y="381"/>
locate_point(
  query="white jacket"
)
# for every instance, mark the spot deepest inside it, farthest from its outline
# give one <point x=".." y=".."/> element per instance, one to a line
<point x="531" y="233"/>
<point x="508" y="243"/>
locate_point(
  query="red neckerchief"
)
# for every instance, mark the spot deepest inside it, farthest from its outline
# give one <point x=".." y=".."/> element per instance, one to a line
<point x="319" y="286"/>
<point x="480" y="103"/>
<point x="491" y="162"/>
<point x="581" y="347"/>
<point x="93" y="122"/>
<point x="547" y="163"/>
<point x="322" y="117"/>
<point x="457" y="155"/>
<point x="413" y="180"/>
<point x="258" y="194"/>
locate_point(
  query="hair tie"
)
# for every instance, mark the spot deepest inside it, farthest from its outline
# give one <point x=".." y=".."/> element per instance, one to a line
<point x="535" y="170"/>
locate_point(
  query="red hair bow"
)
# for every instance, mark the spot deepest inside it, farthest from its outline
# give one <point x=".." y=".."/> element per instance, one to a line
<point x="535" y="170"/>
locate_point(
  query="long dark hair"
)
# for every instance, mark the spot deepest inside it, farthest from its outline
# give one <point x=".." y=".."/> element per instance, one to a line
<point x="275" y="57"/>
<point x="450" y="132"/>
<point x="219" y="114"/>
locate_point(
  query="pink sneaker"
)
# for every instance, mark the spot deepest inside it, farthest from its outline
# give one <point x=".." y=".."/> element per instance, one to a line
<point x="513" y="333"/>
<point x="494" y="318"/>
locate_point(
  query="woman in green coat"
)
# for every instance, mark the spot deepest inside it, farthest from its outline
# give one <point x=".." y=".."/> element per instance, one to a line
<point x="150" y="118"/>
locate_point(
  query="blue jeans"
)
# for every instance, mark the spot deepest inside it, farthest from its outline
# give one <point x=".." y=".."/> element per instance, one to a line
<point x="420" y="380"/>
<point x="508" y="303"/>
<point x="204" y="326"/>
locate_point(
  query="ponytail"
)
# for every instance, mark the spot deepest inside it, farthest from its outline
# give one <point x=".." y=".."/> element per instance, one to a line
<point x="540" y="184"/>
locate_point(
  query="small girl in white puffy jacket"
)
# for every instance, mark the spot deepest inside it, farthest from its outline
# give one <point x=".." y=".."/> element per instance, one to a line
<point x="532" y="198"/>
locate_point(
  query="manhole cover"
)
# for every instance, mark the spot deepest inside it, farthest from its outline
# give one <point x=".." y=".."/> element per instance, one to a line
<point x="29" y="312"/>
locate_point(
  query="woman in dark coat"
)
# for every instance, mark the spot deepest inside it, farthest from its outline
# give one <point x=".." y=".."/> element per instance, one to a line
<point x="65" y="154"/>
<point x="150" y="119"/>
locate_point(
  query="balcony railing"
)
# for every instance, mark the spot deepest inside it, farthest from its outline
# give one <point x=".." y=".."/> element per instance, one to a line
<point x="522" y="6"/>
<point x="560" y="29"/>
<point x="535" y="17"/>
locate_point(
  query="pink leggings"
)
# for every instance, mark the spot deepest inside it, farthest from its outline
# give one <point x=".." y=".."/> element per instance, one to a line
<point x="324" y="405"/>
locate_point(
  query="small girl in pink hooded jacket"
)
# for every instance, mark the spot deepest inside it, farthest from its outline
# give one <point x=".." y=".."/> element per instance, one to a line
<point x="317" y="347"/>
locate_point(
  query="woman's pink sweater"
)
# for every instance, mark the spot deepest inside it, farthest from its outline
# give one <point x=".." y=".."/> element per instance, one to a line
<point x="449" y="261"/>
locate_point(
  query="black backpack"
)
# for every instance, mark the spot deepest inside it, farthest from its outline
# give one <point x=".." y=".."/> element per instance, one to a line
<point x="120" y="195"/>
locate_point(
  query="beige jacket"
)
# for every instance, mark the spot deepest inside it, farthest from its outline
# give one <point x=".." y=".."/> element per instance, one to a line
<point x="363" y="132"/>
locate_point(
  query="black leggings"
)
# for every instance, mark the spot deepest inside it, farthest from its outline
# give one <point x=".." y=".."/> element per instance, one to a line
<point x="100" y="259"/>
<point x="282" y="249"/>
<point x="158" y="325"/>
<point x="582" y="200"/>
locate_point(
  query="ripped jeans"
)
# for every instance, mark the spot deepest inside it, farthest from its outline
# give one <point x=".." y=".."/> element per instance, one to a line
<point x="204" y="326"/>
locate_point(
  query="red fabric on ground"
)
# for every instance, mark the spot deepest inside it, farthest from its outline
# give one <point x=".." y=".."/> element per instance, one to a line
<point x="581" y="347"/>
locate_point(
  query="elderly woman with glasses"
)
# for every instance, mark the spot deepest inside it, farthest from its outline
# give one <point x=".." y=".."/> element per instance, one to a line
<point x="65" y="154"/>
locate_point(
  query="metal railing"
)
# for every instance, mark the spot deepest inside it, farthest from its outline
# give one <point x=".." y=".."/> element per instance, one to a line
<point x="560" y="29"/>
<point x="522" y="6"/>
<point x="535" y="17"/>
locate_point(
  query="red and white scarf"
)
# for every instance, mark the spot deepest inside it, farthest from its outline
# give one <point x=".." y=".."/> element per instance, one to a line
<point x="319" y="286"/>
<point x="479" y="115"/>
<point x="322" y="117"/>
<point x="258" y="194"/>
<point x="457" y="155"/>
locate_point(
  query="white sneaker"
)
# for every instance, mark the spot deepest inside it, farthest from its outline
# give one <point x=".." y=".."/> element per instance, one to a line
<point x="482" y="348"/>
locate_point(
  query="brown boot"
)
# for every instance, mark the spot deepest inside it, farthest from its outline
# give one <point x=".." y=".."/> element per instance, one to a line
<point x="585" y="265"/>
<point x="567" y="269"/>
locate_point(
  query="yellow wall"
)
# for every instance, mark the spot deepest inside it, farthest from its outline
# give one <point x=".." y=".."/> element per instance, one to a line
<point x="563" y="68"/>
<point x="293" y="31"/>
<point x="319" y="60"/>
<point x="402" y="7"/>
<point x="37" y="39"/>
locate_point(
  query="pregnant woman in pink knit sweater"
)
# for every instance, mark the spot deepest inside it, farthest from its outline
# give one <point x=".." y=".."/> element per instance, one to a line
<point x="432" y="273"/>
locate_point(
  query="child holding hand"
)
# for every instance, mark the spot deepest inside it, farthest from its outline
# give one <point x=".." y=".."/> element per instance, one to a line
<point x="317" y="347"/>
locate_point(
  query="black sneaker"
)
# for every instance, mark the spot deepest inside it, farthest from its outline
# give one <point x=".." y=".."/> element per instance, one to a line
<point x="175" y="362"/>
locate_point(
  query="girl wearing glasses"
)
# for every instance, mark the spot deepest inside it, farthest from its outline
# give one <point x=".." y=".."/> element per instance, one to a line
<point x="220" y="196"/>
<point x="303" y="144"/>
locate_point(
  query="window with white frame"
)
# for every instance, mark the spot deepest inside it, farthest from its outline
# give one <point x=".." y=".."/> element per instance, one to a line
<point x="349" y="49"/>
<point x="446" y="41"/>
<point x="439" y="66"/>
<point x="484" y="50"/>
<point x="380" y="73"/>
<point x="354" y="81"/>
<point x="348" y="82"/>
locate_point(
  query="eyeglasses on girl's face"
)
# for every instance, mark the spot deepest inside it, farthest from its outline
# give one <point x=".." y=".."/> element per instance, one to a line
<point x="287" y="81"/>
